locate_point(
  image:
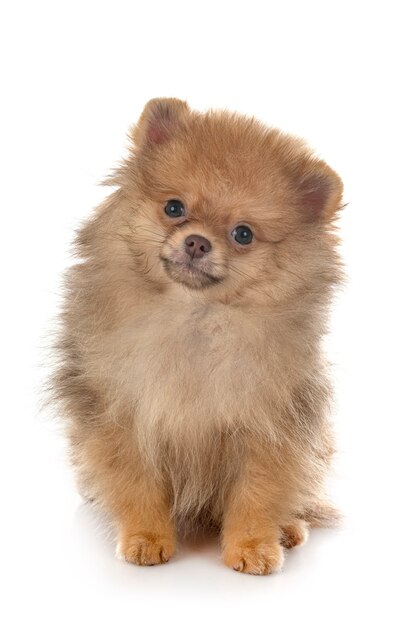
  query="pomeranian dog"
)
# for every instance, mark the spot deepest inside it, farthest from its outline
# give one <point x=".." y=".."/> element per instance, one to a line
<point x="191" y="371"/>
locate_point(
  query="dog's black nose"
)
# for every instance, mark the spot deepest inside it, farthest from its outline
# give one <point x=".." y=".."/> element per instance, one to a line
<point x="196" y="246"/>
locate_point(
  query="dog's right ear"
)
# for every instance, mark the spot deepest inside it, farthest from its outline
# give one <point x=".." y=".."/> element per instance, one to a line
<point x="160" y="120"/>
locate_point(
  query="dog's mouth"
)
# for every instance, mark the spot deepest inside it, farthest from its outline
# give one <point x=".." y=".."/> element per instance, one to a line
<point x="187" y="273"/>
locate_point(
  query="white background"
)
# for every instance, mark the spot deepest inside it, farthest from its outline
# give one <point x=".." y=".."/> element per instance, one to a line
<point x="75" y="76"/>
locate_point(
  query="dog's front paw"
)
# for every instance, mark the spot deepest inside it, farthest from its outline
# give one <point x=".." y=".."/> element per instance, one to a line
<point x="145" y="549"/>
<point x="254" y="556"/>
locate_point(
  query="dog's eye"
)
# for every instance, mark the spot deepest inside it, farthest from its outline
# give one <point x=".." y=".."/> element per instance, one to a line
<point x="242" y="234"/>
<point x="174" y="208"/>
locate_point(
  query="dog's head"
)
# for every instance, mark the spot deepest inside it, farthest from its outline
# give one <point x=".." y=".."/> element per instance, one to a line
<point x="220" y="202"/>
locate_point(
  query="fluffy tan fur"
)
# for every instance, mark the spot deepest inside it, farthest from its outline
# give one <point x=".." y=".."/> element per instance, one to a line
<point x="196" y="389"/>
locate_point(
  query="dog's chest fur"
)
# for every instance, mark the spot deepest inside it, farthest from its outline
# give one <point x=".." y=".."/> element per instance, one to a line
<point x="194" y="364"/>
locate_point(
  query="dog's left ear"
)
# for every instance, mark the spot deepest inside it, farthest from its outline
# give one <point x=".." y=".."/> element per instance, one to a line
<point x="320" y="191"/>
<point x="161" y="119"/>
